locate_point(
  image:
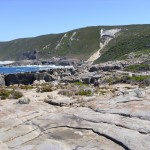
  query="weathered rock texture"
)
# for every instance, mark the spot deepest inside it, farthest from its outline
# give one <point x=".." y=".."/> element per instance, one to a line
<point x="118" y="123"/>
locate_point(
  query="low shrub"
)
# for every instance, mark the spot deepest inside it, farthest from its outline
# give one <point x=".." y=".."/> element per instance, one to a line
<point x="4" y="94"/>
<point x="45" y="89"/>
<point x="139" y="78"/>
<point x="26" y="87"/>
<point x="67" y="92"/>
<point x="16" y="94"/>
<point x="84" y="92"/>
<point x="137" y="67"/>
<point x="78" y="83"/>
<point x="113" y="80"/>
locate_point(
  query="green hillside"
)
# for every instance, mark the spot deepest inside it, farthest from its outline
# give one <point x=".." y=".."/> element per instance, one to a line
<point x="80" y="43"/>
<point x="132" y="38"/>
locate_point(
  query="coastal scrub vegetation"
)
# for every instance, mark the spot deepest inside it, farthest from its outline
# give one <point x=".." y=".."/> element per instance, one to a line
<point x="66" y="92"/>
<point x="84" y="92"/>
<point x="43" y="88"/>
<point x="133" y="38"/>
<point x="26" y="87"/>
<point x="77" y="88"/>
<point x="138" y="67"/>
<point x="11" y="94"/>
<point x="142" y="79"/>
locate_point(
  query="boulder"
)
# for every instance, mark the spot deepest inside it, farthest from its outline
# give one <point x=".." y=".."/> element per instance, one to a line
<point x="20" y="78"/>
<point x="93" y="68"/>
<point x="140" y="93"/>
<point x="23" y="100"/>
<point x="2" y="80"/>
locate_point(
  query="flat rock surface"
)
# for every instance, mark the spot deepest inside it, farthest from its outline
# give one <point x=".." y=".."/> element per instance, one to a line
<point x="97" y="123"/>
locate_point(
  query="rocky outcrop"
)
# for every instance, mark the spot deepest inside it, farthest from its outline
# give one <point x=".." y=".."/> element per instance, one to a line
<point x="2" y="80"/>
<point x="29" y="78"/>
<point x="20" y="78"/>
<point x="117" y="123"/>
<point x="105" y="67"/>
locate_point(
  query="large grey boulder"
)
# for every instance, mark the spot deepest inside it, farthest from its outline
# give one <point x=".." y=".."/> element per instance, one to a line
<point x="2" y="80"/>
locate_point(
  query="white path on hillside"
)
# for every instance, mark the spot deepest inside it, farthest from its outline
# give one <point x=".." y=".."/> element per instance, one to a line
<point x="72" y="36"/>
<point x="60" y="42"/>
<point x="109" y="35"/>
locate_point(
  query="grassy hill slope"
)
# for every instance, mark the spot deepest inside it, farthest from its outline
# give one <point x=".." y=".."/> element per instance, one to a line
<point x="131" y="39"/>
<point x="80" y="43"/>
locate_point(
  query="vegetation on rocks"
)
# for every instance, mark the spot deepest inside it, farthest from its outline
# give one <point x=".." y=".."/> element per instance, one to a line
<point x="84" y="92"/>
<point x="128" y="79"/>
<point x="44" y="88"/>
<point x="138" y="78"/>
<point x="26" y="87"/>
<point x="66" y="92"/>
<point x="4" y="94"/>
<point x="138" y="67"/>
<point x="132" y="38"/>
<point x="17" y="94"/>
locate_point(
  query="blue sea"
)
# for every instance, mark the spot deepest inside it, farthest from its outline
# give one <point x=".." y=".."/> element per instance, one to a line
<point x="32" y="68"/>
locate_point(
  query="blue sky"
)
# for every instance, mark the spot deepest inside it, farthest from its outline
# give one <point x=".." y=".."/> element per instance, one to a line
<point x="29" y="18"/>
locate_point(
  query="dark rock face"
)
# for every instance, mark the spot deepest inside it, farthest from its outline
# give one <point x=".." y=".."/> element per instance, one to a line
<point x="39" y="76"/>
<point x="26" y="78"/>
<point x="62" y="62"/>
<point x="108" y="68"/>
<point x="47" y="78"/>
<point x="29" y="78"/>
<point x="105" y="68"/>
<point x="31" y="55"/>
<point x="93" y="68"/>
<point x="22" y="78"/>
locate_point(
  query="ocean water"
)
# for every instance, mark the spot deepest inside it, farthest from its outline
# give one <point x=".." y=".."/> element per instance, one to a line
<point x="33" y="68"/>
